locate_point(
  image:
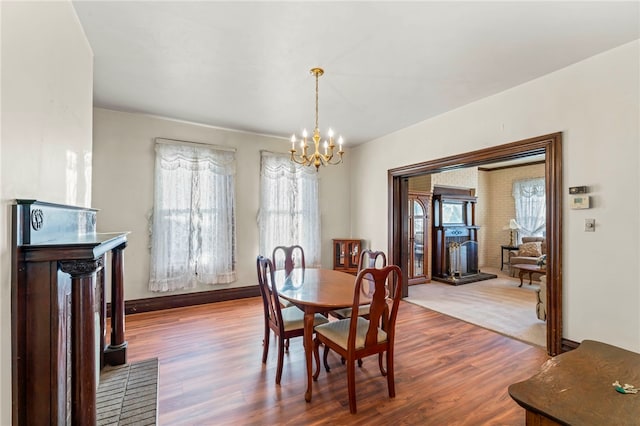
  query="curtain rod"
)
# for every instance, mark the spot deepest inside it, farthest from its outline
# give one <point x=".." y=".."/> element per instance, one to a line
<point x="197" y="144"/>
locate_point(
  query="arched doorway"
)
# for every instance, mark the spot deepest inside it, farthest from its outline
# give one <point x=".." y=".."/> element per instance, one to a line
<point x="549" y="145"/>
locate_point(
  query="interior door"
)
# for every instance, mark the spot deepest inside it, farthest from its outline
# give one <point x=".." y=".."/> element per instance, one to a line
<point x="418" y="247"/>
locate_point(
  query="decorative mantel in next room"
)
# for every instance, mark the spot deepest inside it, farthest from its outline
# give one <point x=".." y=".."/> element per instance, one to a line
<point x="455" y="236"/>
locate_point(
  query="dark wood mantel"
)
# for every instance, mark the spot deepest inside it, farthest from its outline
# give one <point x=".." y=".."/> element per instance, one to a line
<point x="58" y="312"/>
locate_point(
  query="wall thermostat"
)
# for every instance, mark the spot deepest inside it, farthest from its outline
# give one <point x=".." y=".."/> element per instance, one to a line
<point x="580" y="202"/>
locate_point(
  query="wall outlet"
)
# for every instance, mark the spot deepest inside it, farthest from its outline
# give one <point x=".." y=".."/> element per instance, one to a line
<point x="589" y="225"/>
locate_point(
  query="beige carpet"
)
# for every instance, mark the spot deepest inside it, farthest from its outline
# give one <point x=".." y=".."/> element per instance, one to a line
<point x="497" y="304"/>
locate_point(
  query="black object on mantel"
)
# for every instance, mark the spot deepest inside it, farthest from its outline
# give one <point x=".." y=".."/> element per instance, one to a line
<point x="58" y="311"/>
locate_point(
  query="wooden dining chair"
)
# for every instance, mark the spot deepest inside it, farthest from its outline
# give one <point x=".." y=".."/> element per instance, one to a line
<point x="291" y="257"/>
<point x="368" y="259"/>
<point x="356" y="337"/>
<point x="285" y="322"/>
<point x="288" y="258"/>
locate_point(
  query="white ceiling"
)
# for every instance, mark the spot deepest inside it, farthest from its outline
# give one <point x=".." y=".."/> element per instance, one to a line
<point x="388" y="65"/>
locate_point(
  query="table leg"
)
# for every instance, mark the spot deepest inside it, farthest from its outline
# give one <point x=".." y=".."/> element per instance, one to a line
<point x="308" y="350"/>
<point x="520" y="275"/>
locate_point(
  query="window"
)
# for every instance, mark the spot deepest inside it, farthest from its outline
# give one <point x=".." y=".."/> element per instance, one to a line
<point x="193" y="226"/>
<point x="289" y="212"/>
<point x="531" y="212"/>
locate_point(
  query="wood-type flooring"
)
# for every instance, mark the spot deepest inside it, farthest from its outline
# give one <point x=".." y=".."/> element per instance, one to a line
<point x="448" y="372"/>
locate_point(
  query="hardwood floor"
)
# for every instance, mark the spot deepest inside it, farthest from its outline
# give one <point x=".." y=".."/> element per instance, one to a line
<point x="448" y="372"/>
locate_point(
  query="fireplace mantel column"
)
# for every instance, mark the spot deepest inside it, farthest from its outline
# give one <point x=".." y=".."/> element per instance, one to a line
<point x="83" y="355"/>
<point x="116" y="352"/>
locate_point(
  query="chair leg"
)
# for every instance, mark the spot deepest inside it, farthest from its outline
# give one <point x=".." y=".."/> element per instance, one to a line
<point x="265" y="343"/>
<point x="351" y="384"/>
<point x="280" y="359"/>
<point x="382" y="370"/>
<point x="324" y="357"/>
<point x="286" y="345"/>
<point x="390" y="375"/>
<point x="316" y="355"/>
<point x="359" y="361"/>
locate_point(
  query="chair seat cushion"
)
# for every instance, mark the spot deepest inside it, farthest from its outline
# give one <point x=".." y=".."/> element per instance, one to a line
<point x="293" y="318"/>
<point x="338" y="332"/>
<point x="346" y="312"/>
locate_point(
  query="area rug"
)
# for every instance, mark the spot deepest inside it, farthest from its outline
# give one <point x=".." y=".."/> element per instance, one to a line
<point x="497" y="304"/>
<point x="128" y="394"/>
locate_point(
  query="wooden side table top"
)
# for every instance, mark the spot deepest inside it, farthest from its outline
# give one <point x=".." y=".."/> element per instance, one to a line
<point x="575" y="388"/>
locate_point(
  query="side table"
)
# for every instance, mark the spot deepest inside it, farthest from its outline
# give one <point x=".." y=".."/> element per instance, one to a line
<point x="508" y="248"/>
<point x="575" y="388"/>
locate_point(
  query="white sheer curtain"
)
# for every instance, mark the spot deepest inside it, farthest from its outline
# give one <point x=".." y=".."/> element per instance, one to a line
<point x="289" y="212"/>
<point x="531" y="212"/>
<point x="193" y="226"/>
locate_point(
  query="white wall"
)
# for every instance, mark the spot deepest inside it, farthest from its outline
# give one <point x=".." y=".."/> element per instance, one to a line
<point x="124" y="159"/>
<point x="595" y="103"/>
<point x="47" y="78"/>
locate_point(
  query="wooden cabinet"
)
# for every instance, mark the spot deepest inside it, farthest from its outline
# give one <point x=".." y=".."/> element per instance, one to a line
<point x="346" y="255"/>
<point x="58" y="315"/>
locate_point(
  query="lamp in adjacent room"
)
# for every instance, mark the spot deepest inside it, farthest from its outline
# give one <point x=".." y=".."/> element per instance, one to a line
<point x="317" y="158"/>
<point x="513" y="228"/>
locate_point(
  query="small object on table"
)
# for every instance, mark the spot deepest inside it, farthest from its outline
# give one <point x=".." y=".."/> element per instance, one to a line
<point x="626" y="388"/>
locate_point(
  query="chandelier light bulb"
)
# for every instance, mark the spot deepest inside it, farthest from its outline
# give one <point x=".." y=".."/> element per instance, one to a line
<point x="330" y="133"/>
<point x="304" y="133"/>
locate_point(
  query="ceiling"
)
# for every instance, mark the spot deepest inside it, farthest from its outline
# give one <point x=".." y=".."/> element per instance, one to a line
<point x="388" y="65"/>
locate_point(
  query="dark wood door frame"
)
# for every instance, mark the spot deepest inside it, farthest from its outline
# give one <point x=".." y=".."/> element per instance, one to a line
<point x="551" y="146"/>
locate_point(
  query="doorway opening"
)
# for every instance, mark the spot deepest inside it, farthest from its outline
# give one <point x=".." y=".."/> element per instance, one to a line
<point x="548" y="145"/>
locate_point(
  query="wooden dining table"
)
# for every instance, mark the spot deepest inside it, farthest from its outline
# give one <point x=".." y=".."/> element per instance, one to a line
<point x="315" y="291"/>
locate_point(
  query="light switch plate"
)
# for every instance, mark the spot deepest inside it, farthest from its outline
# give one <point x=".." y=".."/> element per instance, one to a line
<point x="590" y="225"/>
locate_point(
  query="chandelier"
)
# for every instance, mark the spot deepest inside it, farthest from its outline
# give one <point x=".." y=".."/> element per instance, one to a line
<point x="317" y="158"/>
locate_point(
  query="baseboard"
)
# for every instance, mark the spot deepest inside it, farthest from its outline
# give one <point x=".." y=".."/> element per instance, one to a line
<point x="188" y="299"/>
<point x="568" y="345"/>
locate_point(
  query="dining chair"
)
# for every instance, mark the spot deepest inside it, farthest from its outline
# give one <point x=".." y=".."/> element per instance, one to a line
<point x="288" y="258"/>
<point x="292" y="257"/>
<point x="356" y="337"/>
<point x="368" y="259"/>
<point x="285" y="322"/>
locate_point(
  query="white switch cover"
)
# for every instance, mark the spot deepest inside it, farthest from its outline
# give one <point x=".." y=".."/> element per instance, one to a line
<point x="590" y="225"/>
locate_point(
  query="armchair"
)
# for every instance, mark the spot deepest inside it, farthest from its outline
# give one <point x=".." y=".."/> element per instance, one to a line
<point x="541" y="303"/>
<point x="528" y="252"/>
